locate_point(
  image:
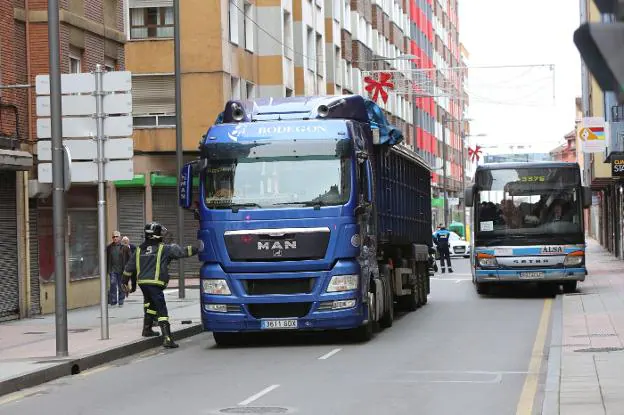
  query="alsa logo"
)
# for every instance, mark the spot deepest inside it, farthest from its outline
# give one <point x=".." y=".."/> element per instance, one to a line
<point x="552" y="250"/>
<point x="277" y="247"/>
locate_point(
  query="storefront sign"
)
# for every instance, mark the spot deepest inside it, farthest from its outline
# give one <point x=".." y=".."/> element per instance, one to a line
<point x="617" y="167"/>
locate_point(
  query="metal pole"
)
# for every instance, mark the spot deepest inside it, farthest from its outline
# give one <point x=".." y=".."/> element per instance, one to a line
<point x="444" y="156"/>
<point x="463" y="173"/>
<point x="179" y="144"/>
<point x="58" y="196"/>
<point x="99" y="116"/>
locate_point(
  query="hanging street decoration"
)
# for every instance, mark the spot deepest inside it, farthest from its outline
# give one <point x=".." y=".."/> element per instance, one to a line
<point x="378" y="87"/>
<point x="474" y="154"/>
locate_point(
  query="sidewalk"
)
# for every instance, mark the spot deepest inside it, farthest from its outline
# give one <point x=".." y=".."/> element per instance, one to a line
<point x="591" y="342"/>
<point x="28" y="346"/>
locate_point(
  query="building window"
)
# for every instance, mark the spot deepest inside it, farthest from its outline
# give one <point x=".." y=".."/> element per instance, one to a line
<point x="248" y="27"/>
<point x="83" y="246"/>
<point x="289" y="92"/>
<point x="153" y="101"/>
<point x="110" y="64"/>
<point x="310" y="48"/>
<point x="75" y="61"/>
<point x="250" y="90"/>
<point x="233" y="21"/>
<point x="288" y="36"/>
<point x="151" y="22"/>
<point x="236" y="88"/>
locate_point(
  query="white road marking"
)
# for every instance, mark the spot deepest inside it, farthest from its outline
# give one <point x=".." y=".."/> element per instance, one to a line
<point x="258" y="395"/>
<point x="330" y="354"/>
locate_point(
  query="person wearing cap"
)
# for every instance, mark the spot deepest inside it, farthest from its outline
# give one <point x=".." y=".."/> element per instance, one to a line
<point x="117" y="256"/>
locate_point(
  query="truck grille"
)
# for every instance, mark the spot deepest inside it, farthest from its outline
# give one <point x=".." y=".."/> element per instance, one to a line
<point x="279" y="310"/>
<point x="279" y="286"/>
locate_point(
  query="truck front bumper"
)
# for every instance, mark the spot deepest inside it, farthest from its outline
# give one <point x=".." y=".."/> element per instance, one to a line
<point x="243" y="320"/>
<point x="530" y="275"/>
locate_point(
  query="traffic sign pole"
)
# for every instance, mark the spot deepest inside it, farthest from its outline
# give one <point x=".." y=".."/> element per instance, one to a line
<point x="99" y="116"/>
<point x="58" y="186"/>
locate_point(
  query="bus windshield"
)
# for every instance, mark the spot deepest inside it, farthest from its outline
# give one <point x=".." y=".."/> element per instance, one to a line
<point x="528" y="202"/>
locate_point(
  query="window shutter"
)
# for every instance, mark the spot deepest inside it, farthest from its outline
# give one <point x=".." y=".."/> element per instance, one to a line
<point x="140" y="4"/>
<point x="153" y="94"/>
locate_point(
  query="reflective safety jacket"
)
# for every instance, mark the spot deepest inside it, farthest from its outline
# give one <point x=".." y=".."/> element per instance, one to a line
<point x="442" y="238"/>
<point x="150" y="262"/>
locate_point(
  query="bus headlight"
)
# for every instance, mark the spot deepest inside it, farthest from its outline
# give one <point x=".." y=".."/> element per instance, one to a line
<point x="216" y="287"/>
<point x="573" y="259"/>
<point x="343" y="283"/>
<point x="486" y="260"/>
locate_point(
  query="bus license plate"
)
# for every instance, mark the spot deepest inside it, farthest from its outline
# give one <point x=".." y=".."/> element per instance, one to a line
<point x="531" y="275"/>
<point x="279" y="324"/>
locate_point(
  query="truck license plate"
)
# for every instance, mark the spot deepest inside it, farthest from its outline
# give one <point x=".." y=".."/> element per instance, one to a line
<point x="531" y="275"/>
<point x="279" y="324"/>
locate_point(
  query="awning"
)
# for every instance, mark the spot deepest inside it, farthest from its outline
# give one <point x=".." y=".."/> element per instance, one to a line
<point x="15" y="160"/>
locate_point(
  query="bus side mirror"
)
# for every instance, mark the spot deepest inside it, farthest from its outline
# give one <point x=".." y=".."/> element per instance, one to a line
<point x="185" y="186"/>
<point x="468" y="196"/>
<point x="587" y="197"/>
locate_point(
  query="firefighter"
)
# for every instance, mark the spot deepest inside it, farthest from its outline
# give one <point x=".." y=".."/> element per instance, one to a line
<point x="441" y="238"/>
<point x="149" y="268"/>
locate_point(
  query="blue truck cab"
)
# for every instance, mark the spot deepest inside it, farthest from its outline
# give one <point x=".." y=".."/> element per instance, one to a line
<point x="311" y="215"/>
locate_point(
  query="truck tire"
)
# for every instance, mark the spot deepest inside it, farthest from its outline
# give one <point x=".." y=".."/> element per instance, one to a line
<point x="424" y="276"/>
<point x="388" y="316"/>
<point x="227" y="339"/>
<point x="366" y="331"/>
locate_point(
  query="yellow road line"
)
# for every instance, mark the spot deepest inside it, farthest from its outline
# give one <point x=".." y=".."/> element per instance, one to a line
<point x="18" y="396"/>
<point x="529" y="390"/>
<point x="95" y="370"/>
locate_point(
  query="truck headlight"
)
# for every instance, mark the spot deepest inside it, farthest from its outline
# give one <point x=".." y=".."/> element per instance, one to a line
<point x="343" y="283"/>
<point x="574" y="258"/>
<point x="486" y="260"/>
<point x="216" y="287"/>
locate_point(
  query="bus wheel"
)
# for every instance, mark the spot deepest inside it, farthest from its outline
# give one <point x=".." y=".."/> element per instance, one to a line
<point x="482" y="288"/>
<point x="569" y="286"/>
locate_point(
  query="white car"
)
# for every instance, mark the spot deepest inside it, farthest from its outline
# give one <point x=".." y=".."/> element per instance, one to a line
<point x="458" y="246"/>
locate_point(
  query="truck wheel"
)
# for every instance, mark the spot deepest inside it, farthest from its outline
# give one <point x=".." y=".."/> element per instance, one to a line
<point x="225" y="339"/>
<point x="388" y="317"/>
<point x="569" y="286"/>
<point x="366" y="331"/>
<point x="482" y="288"/>
<point x="423" y="276"/>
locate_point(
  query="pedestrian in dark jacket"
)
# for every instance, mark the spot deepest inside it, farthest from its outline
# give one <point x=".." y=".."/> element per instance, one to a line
<point x="149" y="266"/>
<point x="117" y="257"/>
<point x="441" y="237"/>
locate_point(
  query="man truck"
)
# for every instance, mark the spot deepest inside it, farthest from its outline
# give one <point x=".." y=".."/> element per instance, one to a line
<point x="312" y="216"/>
<point x="528" y="224"/>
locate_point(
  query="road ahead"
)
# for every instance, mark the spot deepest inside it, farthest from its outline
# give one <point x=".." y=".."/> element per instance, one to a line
<point x="460" y="354"/>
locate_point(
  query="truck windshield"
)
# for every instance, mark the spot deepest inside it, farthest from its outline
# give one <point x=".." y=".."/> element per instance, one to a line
<point x="270" y="180"/>
<point x="531" y="203"/>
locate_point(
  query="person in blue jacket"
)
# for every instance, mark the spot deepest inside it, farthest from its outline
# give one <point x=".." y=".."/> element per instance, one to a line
<point x="441" y="238"/>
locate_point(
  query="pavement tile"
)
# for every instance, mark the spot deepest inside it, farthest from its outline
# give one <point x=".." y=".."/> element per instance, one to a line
<point x="582" y="409"/>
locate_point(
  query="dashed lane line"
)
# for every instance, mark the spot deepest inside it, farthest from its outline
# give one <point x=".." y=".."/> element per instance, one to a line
<point x="258" y="395"/>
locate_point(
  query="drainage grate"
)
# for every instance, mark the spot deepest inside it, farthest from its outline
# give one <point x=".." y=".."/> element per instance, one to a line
<point x="255" y="410"/>
<point x="35" y="332"/>
<point x="600" y="349"/>
<point x="78" y="330"/>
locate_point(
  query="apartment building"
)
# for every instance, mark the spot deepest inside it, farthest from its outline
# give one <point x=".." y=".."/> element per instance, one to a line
<point x="91" y="32"/>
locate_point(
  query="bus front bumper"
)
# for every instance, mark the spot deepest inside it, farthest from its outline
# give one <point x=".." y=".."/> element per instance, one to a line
<point x="530" y="275"/>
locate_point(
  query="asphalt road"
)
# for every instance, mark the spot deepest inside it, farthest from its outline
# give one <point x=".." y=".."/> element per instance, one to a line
<point x="460" y="354"/>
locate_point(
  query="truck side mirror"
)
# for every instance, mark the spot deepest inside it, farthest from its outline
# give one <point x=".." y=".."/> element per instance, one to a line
<point x="185" y="186"/>
<point x="468" y="196"/>
<point x="587" y="197"/>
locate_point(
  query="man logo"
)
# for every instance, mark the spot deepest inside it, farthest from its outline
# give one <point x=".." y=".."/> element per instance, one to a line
<point x="277" y="245"/>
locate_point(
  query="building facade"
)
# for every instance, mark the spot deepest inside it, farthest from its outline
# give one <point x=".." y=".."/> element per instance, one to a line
<point x="251" y="48"/>
<point x="91" y="32"/>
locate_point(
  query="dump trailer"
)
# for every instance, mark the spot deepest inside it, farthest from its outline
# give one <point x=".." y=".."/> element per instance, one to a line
<point x="313" y="216"/>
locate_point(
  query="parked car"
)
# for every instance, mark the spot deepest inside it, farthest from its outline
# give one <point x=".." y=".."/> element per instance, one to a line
<point x="458" y="246"/>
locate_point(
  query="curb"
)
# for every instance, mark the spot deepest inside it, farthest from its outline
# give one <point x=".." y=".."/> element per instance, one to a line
<point x="73" y="366"/>
<point x="550" y="405"/>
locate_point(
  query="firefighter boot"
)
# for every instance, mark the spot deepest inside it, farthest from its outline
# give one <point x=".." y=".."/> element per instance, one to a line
<point x="168" y="342"/>
<point x="450" y="270"/>
<point x="147" y="327"/>
<point x="443" y="270"/>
